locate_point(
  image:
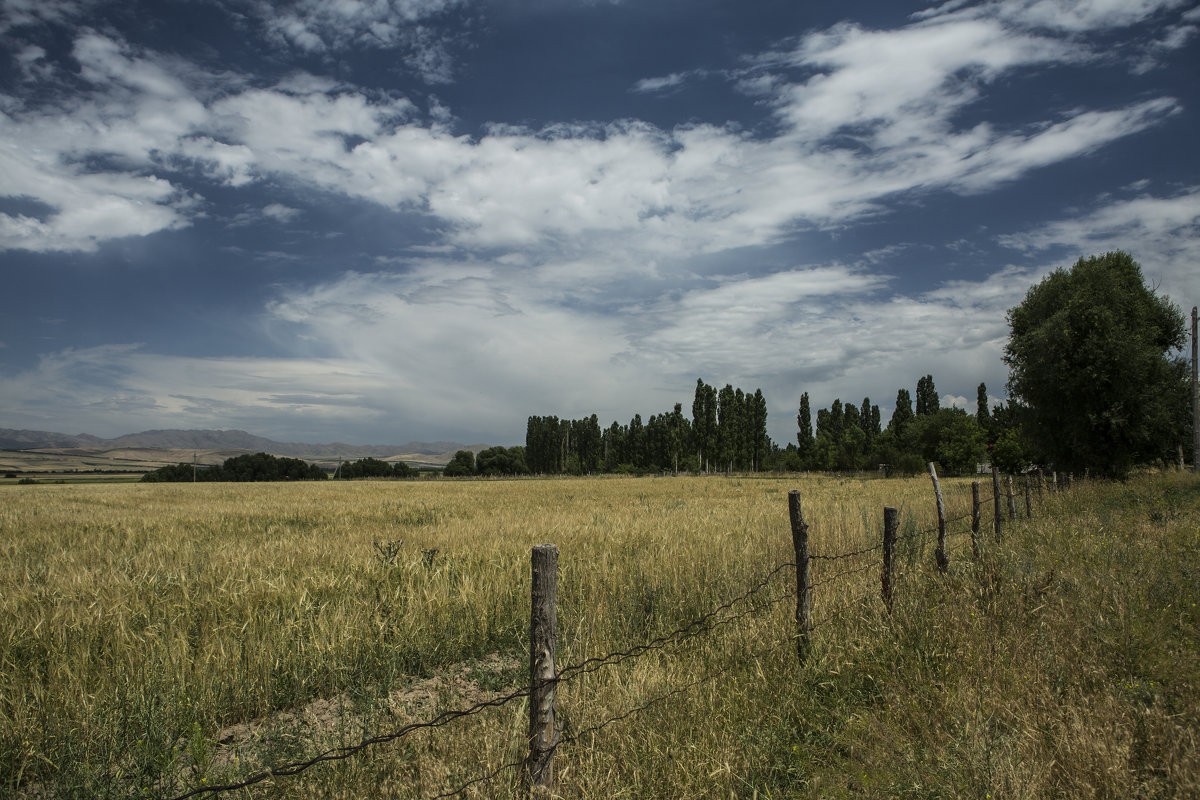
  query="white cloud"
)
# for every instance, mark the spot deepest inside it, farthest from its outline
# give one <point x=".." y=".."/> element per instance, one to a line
<point x="874" y="118"/>
<point x="654" y="85"/>
<point x="280" y="212"/>
<point x="1161" y="232"/>
<point x="1062" y="15"/>
<point x="323" y="27"/>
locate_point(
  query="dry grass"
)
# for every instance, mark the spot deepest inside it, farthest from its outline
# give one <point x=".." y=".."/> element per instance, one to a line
<point x="166" y="636"/>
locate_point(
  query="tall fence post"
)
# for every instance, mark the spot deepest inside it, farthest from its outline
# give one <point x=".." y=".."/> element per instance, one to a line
<point x="1028" y="499"/>
<point x="998" y="516"/>
<point x="803" y="597"/>
<point x="975" y="517"/>
<point x="891" y="523"/>
<point x="543" y="637"/>
<point x="1040" y="478"/>
<point x="943" y="559"/>
<point x="1012" y="502"/>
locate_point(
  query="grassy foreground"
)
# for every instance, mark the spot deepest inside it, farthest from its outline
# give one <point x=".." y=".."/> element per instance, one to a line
<point x="163" y="637"/>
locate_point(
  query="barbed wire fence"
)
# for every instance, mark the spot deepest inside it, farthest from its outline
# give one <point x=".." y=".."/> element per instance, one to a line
<point x="540" y="693"/>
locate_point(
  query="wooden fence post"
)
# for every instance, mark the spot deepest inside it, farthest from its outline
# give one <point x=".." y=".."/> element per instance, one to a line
<point x="943" y="559"/>
<point x="891" y="523"/>
<point x="803" y="597"/>
<point x="1028" y="499"/>
<point x="975" y="516"/>
<point x="1040" y="479"/>
<point x="997" y="515"/>
<point x="543" y="637"/>
<point x="1012" y="502"/>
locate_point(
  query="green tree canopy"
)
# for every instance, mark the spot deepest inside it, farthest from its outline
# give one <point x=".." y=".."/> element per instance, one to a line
<point x="461" y="465"/>
<point x="1090" y="366"/>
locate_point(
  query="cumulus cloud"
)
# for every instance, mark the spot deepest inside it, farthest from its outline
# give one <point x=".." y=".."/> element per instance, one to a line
<point x="874" y="117"/>
<point x="543" y="234"/>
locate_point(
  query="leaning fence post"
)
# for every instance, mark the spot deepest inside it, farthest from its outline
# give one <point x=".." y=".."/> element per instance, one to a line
<point x="943" y="560"/>
<point x="803" y="597"/>
<point x="891" y="522"/>
<point x="975" y="515"/>
<point x="543" y="636"/>
<point x="997" y="515"/>
<point x="1012" y="502"/>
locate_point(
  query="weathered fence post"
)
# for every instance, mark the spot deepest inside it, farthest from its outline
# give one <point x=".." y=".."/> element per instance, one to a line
<point x="803" y="598"/>
<point x="891" y="523"/>
<point x="1054" y="482"/>
<point x="975" y="515"/>
<point x="943" y="559"/>
<point x="1040" y="478"/>
<point x="1028" y="499"/>
<point x="997" y="515"/>
<point x="543" y="637"/>
<point x="1012" y="502"/>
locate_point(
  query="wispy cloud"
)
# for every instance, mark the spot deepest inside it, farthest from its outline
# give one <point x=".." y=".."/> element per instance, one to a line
<point x="324" y="28"/>
<point x="660" y="84"/>
<point x="1161" y="231"/>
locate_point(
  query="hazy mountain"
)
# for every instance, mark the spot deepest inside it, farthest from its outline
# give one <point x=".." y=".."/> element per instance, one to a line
<point x="221" y="440"/>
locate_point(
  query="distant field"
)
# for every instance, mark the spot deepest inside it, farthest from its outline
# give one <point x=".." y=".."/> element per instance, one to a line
<point x="166" y="636"/>
<point x="74" y="465"/>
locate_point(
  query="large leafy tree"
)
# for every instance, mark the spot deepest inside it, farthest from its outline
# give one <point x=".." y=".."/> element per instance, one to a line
<point x="1090" y="364"/>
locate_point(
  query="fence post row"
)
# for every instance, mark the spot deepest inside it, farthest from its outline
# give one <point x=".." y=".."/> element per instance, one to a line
<point x="943" y="559"/>
<point x="803" y="599"/>
<point x="543" y="638"/>
<point x="891" y="523"/>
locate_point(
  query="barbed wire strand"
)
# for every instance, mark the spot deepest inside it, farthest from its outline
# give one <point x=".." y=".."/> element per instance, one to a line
<point x="697" y="627"/>
<point x="692" y="629"/>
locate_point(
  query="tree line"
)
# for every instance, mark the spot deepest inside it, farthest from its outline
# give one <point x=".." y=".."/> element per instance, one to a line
<point x="727" y="431"/>
<point x="850" y="437"/>
<point x="256" y="467"/>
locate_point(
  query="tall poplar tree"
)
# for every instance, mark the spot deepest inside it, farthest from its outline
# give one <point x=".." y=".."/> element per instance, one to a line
<point x="902" y="414"/>
<point x="804" y="436"/>
<point x="927" y="399"/>
<point x="981" y="407"/>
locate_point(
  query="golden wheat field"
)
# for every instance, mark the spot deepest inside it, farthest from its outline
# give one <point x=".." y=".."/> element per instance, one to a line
<point x="166" y="638"/>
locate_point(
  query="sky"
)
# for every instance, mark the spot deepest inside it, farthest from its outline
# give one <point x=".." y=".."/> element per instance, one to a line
<point x="376" y="221"/>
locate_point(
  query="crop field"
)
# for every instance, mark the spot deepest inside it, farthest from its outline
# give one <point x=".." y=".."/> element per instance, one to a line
<point x="160" y="638"/>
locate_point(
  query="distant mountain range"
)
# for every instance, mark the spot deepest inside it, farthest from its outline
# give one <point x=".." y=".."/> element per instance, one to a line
<point x="221" y="440"/>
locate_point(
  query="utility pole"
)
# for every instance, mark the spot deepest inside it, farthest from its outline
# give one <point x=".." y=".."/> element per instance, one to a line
<point x="1195" y="400"/>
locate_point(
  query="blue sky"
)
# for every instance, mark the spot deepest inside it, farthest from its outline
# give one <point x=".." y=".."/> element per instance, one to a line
<point x="382" y="220"/>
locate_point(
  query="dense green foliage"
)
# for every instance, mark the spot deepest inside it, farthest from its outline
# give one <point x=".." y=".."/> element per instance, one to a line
<point x="461" y="465"/>
<point x="257" y="467"/>
<point x="727" y="432"/>
<point x="374" y="468"/>
<point x="1090" y="367"/>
